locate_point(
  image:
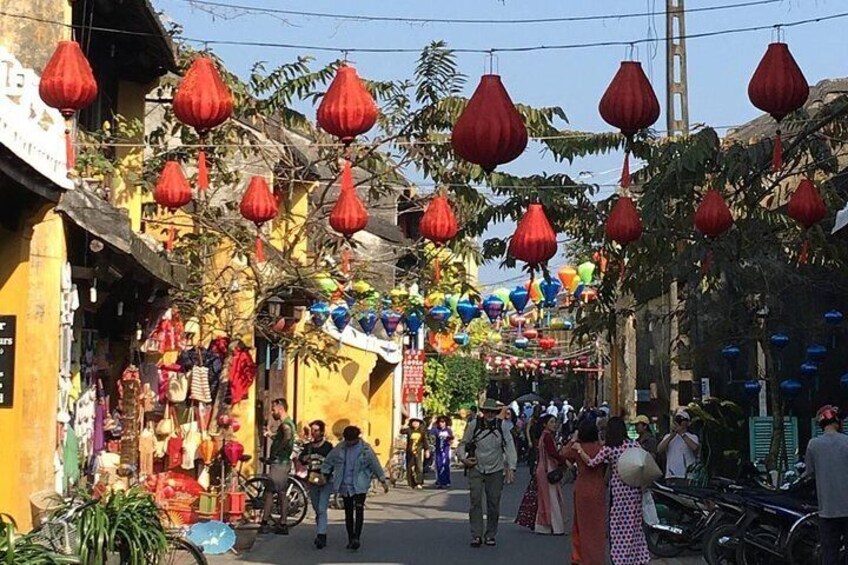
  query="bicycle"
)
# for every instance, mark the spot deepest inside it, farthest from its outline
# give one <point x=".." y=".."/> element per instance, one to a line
<point x="255" y="488"/>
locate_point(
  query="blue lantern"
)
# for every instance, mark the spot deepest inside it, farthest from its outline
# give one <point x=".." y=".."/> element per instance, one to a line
<point x="779" y="341"/>
<point x="461" y="339"/>
<point x="568" y="325"/>
<point x="350" y="300"/>
<point x="752" y="389"/>
<point x="466" y="311"/>
<point x="578" y="292"/>
<point x="730" y="353"/>
<point x="320" y="311"/>
<point x="341" y="317"/>
<point x="367" y="321"/>
<point x="413" y="320"/>
<point x="440" y="314"/>
<point x="521" y="342"/>
<point x="519" y="298"/>
<point x="550" y="289"/>
<point x="493" y="307"/>
<point x="816" y="352"/>
<point x="833" y="317"/>
<point x="390" y="321"/>
<point x="809" y="369"/>
<point x="790" y="389"/>
<point x="843" y="382"/>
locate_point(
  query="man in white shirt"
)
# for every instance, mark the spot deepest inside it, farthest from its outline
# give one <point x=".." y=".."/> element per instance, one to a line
<point x="552" y="409"/>
<point x="681" y="447"/>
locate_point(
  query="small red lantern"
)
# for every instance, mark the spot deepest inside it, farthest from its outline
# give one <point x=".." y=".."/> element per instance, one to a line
<point x="623" y="225"/>
<point x="233" y="451"/>
<point x="530" y="333"/>
<point x="348" y="215"/>
<point x="490" y="131"/>
<point x="713" y="217"/>
<point x="547" y="343"/>
<point x="68" y="85"/>
<point x="534" y="241"/>
<point x="258" y="205"/>
<point x="807" y="208"/>
<point x="172" y="192"/>
<point x="438" y="225"/>
<point x="778" y="87"/>
<point x="202" y="101"/>
<point x="347" y="109"/>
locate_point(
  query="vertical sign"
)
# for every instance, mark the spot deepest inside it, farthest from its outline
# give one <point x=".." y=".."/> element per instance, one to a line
<point x="705" y="387"/>
<point x="7" y="361"/>
<point x="413" y="375"/>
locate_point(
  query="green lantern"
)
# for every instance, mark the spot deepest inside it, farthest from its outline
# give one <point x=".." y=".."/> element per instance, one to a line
<point x="503" y="294"/>
<point x="586" y="272"/>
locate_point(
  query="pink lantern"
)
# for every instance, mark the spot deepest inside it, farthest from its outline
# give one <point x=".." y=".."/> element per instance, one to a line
<point x="233" y="451"/>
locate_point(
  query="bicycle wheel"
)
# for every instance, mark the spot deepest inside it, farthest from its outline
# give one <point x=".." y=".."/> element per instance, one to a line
<point x="182" y="552"/>
<point x="255" y="488"/>
<point x="298" y="502"/>
<point x="803" y="546"/>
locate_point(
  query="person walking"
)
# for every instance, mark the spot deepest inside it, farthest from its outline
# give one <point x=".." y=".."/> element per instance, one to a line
<point x="627" y="538"/>
<point x="488" y="454"/>
<point x="313" y="457"/>
<point x="352" y="465"/>
<point x="589" y="528"/>
<point x="417" y="450"/>
<point x="680" y="446"/>
<point x="280" y="460"/>
<point x="550" y="512"/>
<point x="646" y="438"/>
<point x="827" y="459"/>
<point x="443" y="441"/>
<point x="534" y="432"/>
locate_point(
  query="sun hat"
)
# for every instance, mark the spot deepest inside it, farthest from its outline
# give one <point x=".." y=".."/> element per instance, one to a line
<point x="642" y="419"/>
<point x="491" y="405"/>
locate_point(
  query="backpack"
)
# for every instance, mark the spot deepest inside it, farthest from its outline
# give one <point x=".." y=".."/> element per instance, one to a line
<point x="480" y="428"/>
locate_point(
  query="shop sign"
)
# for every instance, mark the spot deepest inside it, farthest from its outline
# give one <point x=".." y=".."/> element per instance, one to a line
<point x="413" y="375"/>
<point x="7" y="361"/>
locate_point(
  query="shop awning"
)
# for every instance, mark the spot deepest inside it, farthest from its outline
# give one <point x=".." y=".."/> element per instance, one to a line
<point x="110" y="224"/>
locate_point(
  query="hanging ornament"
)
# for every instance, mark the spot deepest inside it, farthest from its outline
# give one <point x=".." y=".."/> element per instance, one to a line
<point x="752" y="389"/>
<point x="438" y="225"/>
<point x="807" y="208"/>
<point x="319" y="311"/>
<point x="493" y="307"/>
<point x="550" y="289"/>
<point x="586" y="272"/>
<point x="340" y="315"/>
<point x="347" y="109"/>
<point x="202" y="101"/>
<point x="566" y="275"/>
<point x="530" y="333"/>
<point x="519" y="298"/>
<point x="712" y="218"/>
<point x="833" y="317"/>
<point x="778" y="88"/>
<point x="809" y="369"/>
<point x="623" y="225"/>
<point x="730" y="353"/>
<point x="68" y="85"/>
<point x="779" y="341"/>
<point x="534" y="241"/>
<point x="440" y="314"/>
<point x="348" y="215"/>
<point x="790" y="389"/>
<point x="534" y="287"/>
<point x="461" y="339"/>
<point x="521" y="342"/>
<point x="413" y="321"/>
<point x="547" y="343"/>
<point x="466" y="311"/>
<point x="816" y="352"/>
<point x="490" y="131"/>
<point x="367" y="321"/>
<point x="390" y="321"/>
<point x="258" y="205"/>
<point x="631" y="105"/>
<point x="233" y="452"/>
<point x="172" y="192"/>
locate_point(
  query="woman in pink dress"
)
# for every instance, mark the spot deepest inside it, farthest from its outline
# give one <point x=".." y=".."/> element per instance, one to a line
<point x="627" y="539"/>
<point x="589" y="530"/>
<point x="550" y="514"/>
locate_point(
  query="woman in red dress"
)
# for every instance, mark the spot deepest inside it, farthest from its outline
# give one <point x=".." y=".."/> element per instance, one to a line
<point x="589" y="529"/>
<point x="550" y="513"/>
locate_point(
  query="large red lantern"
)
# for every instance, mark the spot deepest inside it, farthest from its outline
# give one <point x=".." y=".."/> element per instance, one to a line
<point x="778" y="87"/>
<point x="490" y="131"/>
<point x="348" y="215"/>
<point x="623" y="225"/>
<point x="172" y="192"/>
<point x="258" y="205"/>
<point x="68" y="85"/>
<point x="438" y="225"/>
<point x="534" y="241"/>
<point x="713" y="217"/>
<point x="203" y="102"/>
<point x="807" y="208"/>
<point x="347" y="109"/>
<point x="631" y="105"/>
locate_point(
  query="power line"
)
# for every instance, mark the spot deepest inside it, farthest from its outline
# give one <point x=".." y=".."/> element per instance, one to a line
<point x="461" y="21"/>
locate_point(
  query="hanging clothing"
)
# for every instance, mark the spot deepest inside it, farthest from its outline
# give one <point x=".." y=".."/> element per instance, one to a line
<point x="550" y="514"/>
<point x="443" y="441"/>
<point x="589" y="526"/>
<point x="146" y="450"/>
<point x="70" y="458"/>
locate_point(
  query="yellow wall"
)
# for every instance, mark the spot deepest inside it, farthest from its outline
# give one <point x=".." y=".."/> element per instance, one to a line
<point x="127" y="191"/>
<point x="31" y="261"/>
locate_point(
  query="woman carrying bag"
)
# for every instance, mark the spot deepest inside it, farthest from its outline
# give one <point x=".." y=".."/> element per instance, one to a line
<point x="320" y="489"/>
<point x="550" y="513"/>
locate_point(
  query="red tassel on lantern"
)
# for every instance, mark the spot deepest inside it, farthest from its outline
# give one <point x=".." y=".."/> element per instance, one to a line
<point x="438" y="225"/>
<point x="534" y="241"/>
<point x="348" y="215"/>
<point x="807" y="208"/>
<point x="490" y="131"/>
<point x="623" y="225"/>
<point x="778" y="87"/>
<point x="258" y="205"/>
<point x="172" y="192"/>
<point x="202" y="101"/>
<point x="347" y="109"/>
<point x="68" y="85"/>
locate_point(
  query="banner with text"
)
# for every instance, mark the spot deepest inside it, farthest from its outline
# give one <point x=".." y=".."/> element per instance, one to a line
<point x="413" y="375"/>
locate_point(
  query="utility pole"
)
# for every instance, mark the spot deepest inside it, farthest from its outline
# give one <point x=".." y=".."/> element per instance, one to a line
<point x="677" y="124"/>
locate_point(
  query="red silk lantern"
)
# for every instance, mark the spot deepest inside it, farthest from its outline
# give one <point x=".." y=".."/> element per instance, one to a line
<point x="807" y="208"/>
<point x="202" y="101"/>
<point x="233" y="451"/>
<point x="172" y="192"/>
<point x="778" y="87"/>
<point x="490" y="131"/>
<point x="631" y="105"/>
<point x="68" y="85"/>
<point x="439" y="225"/>
<point x="530" y="333"/>
<point x="623" y="225"/>
<point x="713" y="217"/>
<point x="348" y="215"/>
<point x="547" y="343"/>
<point x="347" y="109"/>
<point x="258" y="205"/>
<point x="534" y="241"/>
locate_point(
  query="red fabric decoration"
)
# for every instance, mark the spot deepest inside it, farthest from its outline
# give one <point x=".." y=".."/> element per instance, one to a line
<point x="778" y="87"/>
<point x="807" y="208"/>
<point x="258" y="205"/>
<point x="348" y="215"/>
<point x="623" y="225"/>
<point x="490" y="131"/>
<point x="713" y="217"/>
<point x="438" y="225"/>
<point x="203" y="102"/>
<point x="631" y="105"/>
<point x="173" y="192"/>
<point x="233" y="451"/>
<point x="68" y="85"/>
<point x="242" y="374"/>
<point x="347" y="109"/>
<point x="534" y="241"/>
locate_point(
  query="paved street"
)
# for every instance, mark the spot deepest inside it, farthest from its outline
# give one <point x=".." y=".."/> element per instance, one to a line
<point x="417" y="528"/>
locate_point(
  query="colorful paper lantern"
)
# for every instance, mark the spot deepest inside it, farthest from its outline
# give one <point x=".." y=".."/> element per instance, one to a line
<point x="493" y="307"/>
<point x="752" y="389"/>
<point x="833" y="317"/>
<point x="461" y="339"/>
<point x="438" y="225"/>
<point x="367" y="321"/>
<point x="319" y="311"/>
<point x="623" y="225"/>
<point x="809" y="369"/>
<point x="779" y="340"/>
<point x="816" y="352"/>
<point x="466" y="311"/>
<point x="233" y="451"/>
<point x="390" y="321"/>
<point x="347" y="110"/>
<point x="550" y="289"/>
<point x="172" y="192"/>
<point x="790" y="389"/>
<point x="340" y="315"/>
<point x="566" y="275"/>
<point x="713" y="217"/>
<point x="258" y="205"/>
<point x="519" y="298"/>
<point x="534" y="241"/>
<point x="586" y="272"/>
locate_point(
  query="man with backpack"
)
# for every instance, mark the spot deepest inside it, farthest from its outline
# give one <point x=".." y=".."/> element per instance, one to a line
<point x="490" y="460"/>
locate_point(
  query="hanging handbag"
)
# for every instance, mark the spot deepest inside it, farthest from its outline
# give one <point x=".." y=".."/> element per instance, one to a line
<point x="199" y="381"/>
<point x="165" y="426"/>
<point x="177" y="387"/>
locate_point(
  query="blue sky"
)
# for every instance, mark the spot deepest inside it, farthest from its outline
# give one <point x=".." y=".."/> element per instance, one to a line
<point x="719" y="67"/>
